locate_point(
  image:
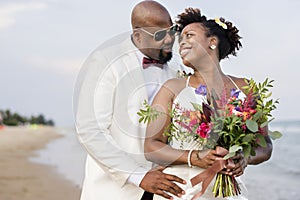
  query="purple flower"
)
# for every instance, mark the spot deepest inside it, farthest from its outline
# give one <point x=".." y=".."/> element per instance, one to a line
<point x="238" y="109"/>
<point x="234" y="93"/>
<point x="201" y="90"/>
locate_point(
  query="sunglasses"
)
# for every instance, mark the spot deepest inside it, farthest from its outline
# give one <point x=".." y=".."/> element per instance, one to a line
<point x="161" y="34"/>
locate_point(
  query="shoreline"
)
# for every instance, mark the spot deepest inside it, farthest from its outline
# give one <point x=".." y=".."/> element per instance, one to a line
<point x="22" y="179"/>
<point x="59" y="157"/>
<point x="70" y="163"/>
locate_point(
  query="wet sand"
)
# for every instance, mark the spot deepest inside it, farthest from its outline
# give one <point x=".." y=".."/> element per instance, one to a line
<point x="22" y="179"/>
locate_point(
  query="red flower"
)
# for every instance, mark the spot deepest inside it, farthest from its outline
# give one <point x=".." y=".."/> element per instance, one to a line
<point x="203" y="130"/>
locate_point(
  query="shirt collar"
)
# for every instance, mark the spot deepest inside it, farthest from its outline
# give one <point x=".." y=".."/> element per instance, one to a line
<point x="140" y="57"/>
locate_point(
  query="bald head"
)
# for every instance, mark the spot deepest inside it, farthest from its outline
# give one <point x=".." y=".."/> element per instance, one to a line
<point x="150" y="14"/>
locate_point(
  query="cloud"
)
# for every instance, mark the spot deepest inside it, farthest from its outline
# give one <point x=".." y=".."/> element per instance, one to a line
<point x="61" y="66"/>
<point x="9" y="12"/>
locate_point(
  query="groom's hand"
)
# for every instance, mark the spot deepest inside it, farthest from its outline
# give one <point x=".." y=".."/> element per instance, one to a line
<point x="157" y="182"/>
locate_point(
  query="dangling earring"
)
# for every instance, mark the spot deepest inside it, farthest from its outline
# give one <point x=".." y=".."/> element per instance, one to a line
<point x="212" y="46"/>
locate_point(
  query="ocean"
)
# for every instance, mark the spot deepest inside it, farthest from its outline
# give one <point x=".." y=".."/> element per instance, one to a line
<point x="279" y="177"/>
<point x="66" y="155"/>
<point x="275" y="179"/>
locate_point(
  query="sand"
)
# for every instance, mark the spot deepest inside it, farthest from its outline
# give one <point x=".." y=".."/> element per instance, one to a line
<point x="22" y="179"/>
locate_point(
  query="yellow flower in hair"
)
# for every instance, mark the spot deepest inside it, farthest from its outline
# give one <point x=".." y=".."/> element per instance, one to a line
<point x="218" y="21"/>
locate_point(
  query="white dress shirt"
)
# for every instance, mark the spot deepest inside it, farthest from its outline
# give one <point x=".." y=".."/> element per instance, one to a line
<point x="154" y="78"/>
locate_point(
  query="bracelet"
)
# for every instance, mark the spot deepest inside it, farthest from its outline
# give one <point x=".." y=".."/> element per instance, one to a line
<point x="189" y="158"/>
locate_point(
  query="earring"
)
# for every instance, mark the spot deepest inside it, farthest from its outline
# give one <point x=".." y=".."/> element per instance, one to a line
<point x="212" y="46"/>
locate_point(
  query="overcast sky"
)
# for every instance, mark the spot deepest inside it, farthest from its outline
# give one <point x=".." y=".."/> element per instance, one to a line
<point x="43" y="44"/>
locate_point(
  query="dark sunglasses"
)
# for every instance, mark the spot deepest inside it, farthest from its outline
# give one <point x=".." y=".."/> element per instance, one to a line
<point x="161" y="34"/>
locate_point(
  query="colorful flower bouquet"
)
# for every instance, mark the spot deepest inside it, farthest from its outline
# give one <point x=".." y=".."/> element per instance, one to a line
<point x="237" y="125"/>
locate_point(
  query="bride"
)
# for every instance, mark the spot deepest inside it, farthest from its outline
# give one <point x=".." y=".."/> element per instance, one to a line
<point x="203" y="43"/>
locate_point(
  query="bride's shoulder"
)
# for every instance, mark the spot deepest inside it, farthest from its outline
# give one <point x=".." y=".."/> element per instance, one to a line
<point x="176" y="84"/>
<point x="239" y="81"/>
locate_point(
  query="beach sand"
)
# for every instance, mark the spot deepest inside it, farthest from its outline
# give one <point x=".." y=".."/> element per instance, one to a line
<point x="22" y="179"/>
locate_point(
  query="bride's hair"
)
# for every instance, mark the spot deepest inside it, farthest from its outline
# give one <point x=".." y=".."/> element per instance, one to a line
<point x="229" y="40"/>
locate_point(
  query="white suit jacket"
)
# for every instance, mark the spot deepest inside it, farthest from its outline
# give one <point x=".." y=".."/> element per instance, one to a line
<point x="110" y="91"/>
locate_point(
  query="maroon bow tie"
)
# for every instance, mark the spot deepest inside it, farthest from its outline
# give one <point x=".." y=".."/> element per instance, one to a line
<point x="151" y="62"/>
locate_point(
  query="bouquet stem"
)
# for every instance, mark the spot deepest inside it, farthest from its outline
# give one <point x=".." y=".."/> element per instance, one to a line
<point x="226" y="186"/>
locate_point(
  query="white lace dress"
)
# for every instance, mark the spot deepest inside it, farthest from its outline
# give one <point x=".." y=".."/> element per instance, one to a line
<point x="184" y="99"/>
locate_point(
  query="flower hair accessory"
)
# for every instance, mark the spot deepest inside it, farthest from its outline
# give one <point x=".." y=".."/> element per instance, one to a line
<point x="218" y="21"/>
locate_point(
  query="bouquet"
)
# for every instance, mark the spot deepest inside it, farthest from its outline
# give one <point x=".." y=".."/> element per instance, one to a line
<point x="235" y="124"/>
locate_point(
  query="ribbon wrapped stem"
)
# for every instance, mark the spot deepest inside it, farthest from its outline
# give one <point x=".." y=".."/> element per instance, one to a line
<point x="224" y="185"/>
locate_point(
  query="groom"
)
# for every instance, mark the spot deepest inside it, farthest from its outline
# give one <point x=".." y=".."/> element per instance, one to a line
<point x="110" y="90"/>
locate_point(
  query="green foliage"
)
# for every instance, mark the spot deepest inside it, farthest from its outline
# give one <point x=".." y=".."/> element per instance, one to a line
<point x="235" y="133"/>
<point x="275" y="134"/>
<point x="232" y="150"/>
<point x="264" y="105"/>
<point x="148" y="114"/>
<point x="261" y="140"/>
<point x="252" y="125"/>
<point x="15" y="119"/>
<point x="10" y="122"/>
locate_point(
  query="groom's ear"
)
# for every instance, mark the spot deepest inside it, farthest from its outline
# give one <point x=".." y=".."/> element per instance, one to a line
<point x="136" y="36"/>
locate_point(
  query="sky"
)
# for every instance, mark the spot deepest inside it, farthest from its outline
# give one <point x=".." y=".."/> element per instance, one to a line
<point x="43" y="44"/>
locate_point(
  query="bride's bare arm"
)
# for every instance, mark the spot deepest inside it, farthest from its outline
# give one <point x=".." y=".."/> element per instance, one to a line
<point x="156" y="148"/>
<point x="262" y="154"/>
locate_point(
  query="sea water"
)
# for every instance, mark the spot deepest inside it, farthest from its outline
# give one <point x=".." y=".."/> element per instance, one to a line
<point x="279" y="177"/>
<point x="66" y="155"/>
<point x="275" y="179"/>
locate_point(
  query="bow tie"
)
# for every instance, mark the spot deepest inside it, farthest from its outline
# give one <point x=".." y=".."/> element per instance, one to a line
<point x="147" y="62"/>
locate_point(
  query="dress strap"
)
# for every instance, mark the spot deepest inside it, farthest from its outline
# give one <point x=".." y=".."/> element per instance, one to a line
<point x="187" y="81"/>
<point x="237" y="87"/>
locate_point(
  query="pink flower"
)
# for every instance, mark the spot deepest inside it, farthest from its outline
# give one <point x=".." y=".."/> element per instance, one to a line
<point x="252" y="111"/>
<point x="244" y="127"/>
<point x="203" y="130"/>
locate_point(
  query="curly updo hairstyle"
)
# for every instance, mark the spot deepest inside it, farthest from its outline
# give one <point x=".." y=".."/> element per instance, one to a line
<point x="229" y="40"/>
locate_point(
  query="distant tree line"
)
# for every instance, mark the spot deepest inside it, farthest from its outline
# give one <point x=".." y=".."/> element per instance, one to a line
<point x="14" y="119"/>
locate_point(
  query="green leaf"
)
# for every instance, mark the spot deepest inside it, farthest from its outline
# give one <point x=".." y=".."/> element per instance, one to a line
<point x="229" y="155"/>
<point x="248" y="138"/>
<point x="261" y="140"/>
<point x="257" y="115"/>
<point x="141" y="119"/>
<point x="264" y="124"/>
<point x="252" y="152"/>
<point x="275" y="135"/>
<point x="148" y="114"/>
<point x="252" y="125"/>
<point x="247" y="150"/>
<point x="235" y="148"/>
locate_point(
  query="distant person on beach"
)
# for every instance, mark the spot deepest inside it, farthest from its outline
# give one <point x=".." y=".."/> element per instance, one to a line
<point x="1" y="121"/>
<point x="115" y="81"/>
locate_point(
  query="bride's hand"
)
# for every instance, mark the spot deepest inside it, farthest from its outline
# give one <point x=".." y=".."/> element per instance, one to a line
<point x="205" y="158"/>
<point x="240" y="164"/>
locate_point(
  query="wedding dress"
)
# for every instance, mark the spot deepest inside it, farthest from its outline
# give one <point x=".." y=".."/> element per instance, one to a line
<point x="184" y="99"/>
